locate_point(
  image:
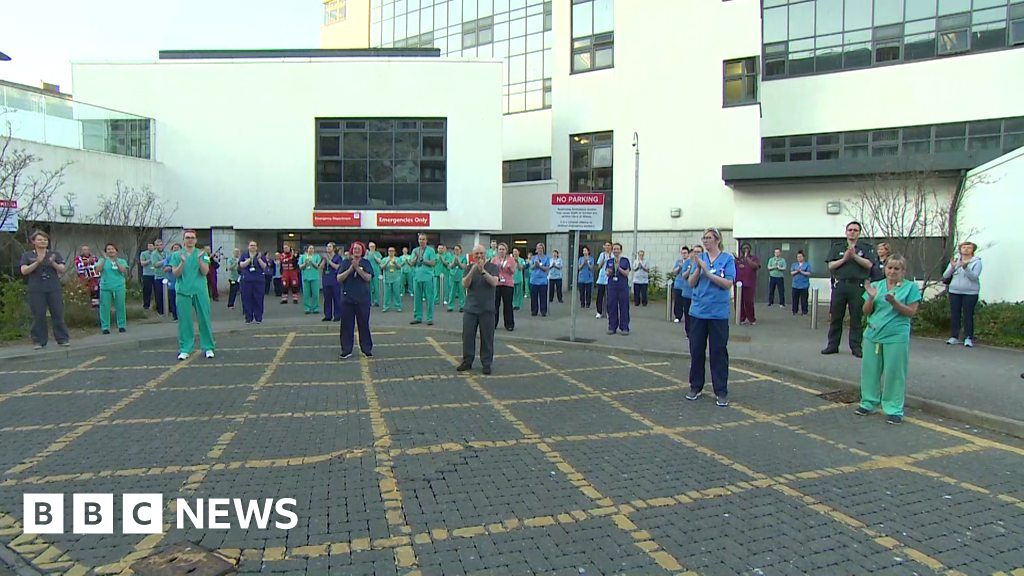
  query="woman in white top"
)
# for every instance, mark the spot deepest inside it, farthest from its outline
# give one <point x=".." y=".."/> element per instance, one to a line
<point x="641" y="278"/>
<point x="963" y="274"/>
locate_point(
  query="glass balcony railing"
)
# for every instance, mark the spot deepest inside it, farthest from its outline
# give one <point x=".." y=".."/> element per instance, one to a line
<point x="61" y="121"/>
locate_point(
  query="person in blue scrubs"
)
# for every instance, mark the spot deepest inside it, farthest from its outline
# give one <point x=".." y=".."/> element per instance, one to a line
<point x="331" y="288"/>
<point x="252" y="268"/>
<point x="681" y="288"/>
<point x="355" y="276"/>
<point x="712" y="281"/>
<point x="585" y="277"/>
<point x="540" y="264"/>
<point x="801" y="273"/>
<point x="616" y="271"/>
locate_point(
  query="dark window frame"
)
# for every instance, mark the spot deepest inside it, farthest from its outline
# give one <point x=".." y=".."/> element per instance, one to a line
<point x="587" y="143"/>
<point x="903" y="141"/>
<point x="526" y="170"/>
<point x="750" y="70"/>
<point x="590" y="44"/>
<point x="403" y="162"/>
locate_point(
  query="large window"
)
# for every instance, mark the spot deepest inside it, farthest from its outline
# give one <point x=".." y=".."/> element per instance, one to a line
<point x="124" y="137"/>
<point x="381" y="163"/>
<point x="593" y="40"/>
<point x="334" y="11"/>
<point x="590" y="167"/>
<point x="516" y="31"/>
<point x="528" y="170"/>
<point x="817" y="36"/>
<point x="996" y="136"/>
<point x="739" y="82"/>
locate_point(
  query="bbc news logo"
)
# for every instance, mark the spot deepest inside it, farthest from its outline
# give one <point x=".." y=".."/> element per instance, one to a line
<point x="144" y="514"/>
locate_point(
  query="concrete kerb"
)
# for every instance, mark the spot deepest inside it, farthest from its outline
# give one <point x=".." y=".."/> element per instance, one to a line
<point x="992" y="422"/>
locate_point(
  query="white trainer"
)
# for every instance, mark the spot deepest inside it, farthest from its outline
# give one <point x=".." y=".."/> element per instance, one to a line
<point x="209" y="353"/>
<point x="182" y="356"/>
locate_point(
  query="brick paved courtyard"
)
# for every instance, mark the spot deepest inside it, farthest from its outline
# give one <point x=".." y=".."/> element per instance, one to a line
<point x="565" y="460"/>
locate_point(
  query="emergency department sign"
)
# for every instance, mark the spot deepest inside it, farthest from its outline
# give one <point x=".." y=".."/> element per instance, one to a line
<point x="577" y="211"/>
<point x="8" y="215"/>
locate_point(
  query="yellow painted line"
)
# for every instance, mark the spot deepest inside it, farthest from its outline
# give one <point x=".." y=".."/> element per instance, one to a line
<point x="387" y="483"/>
<point x="965" y="436"/>
<point x="73" y="435"/>
<point x="48" y="379"/>
<point x="37" y="551"/>
<point x="965" y="485"/>
<point x="652" y="549"/>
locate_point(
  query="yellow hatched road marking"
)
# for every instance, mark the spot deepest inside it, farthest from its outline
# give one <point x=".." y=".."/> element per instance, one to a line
<point x="48" y="379"/>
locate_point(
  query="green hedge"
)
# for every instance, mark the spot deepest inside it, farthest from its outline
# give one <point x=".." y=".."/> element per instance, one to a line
<point x="999" y="324"/>
<point x="15" y="319"/>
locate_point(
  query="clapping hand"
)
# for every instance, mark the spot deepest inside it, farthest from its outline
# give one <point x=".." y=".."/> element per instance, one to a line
<point x="890" y="298"/>
<point x="870" y="289"/>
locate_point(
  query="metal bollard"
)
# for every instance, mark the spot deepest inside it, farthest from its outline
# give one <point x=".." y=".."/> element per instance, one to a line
<point x="670" y="294"/>
<point x="739" y="300"/>
<point x="814" y="308"/>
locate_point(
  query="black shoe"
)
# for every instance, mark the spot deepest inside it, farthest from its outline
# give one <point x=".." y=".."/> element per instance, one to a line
<point x="121" y="330"/>
<point x="463" y="367"/>
<point x="64" y="343"/>
<point x="894" y="419"/>
<point x="106" y="331"/>
<point x="416" y="322"/>
<point x="487" y="370"/>
<point x="430" y="322"/>
<point x="830" y="351"/>
<point x="345" y="356"/>
<point x="325" y="319"/>
<point x="532" y="314"/>
<point x="368" y="354"/>
<point x="510" y="328"/>
<point x="544" y="315"/>
<point x="858" y="353"/>
<point x="860" y="411"/>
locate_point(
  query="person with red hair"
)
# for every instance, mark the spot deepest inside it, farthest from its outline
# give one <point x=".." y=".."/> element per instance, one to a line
<point x="355" y="275"/>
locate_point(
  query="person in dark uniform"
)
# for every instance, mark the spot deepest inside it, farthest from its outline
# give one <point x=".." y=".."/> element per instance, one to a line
<point x="850" y="262"/>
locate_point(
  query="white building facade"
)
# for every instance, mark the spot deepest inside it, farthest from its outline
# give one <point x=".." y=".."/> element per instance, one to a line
<point x="766" y="119"/>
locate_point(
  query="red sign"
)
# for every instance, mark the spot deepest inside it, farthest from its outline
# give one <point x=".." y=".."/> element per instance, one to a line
<point x="337" y="219"/>
<point x="578" y="199"/>
<point x="403" y="219"/>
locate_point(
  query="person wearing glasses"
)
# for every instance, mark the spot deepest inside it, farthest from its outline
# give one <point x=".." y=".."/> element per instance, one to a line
<point x="850" y="262"/>
<point x="190" y="266"/>
<point x="712" y="279"/>
<point x="480" y="280"/>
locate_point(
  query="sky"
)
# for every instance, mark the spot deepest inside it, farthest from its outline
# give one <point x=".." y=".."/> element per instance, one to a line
<point x="43" y="37"/>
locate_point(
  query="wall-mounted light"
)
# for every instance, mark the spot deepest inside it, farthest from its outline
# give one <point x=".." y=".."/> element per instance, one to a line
<point x="676" y="212"/>
<point x="834" y="207"/>
<point x="67" y="211"/>
<point x="291" y="235"/>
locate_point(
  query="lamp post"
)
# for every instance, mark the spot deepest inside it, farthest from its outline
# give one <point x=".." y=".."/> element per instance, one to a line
<point x="636" y="192"/>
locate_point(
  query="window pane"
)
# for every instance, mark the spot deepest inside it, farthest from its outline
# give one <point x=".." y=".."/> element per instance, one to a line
<point x="855" y="138"/>
<point x="602" y="156"/>
<point x="826" y="154"/>
<point x="801" y="63"/>
<point x="988" y="36"/>
<point x="917" y="133"/>
<point x="984" y="127"/>
<point x="381" y="145"/>
<point x="983" y="143"/>
<point x="330" y="146"/>
<point x="917" y="147"/>
<point x="406" y="171"/>
<point x="775" y="24"/>
<point x="355" y="145"/>
<point x="381" y="171"/>
<point x="356" y="193"/>
<point x="991" y="15"/>
<point x="773" y="143"/>
<point x="826" y="140"/>
<point x="407" y="195"/>
<point x="734" y="68"/>
<point x="920" y="9"/>
<point x="801" y="20"/>
<point x="329" y="171"/>
<point x="1013" y="141"/>
<point x="800" y="156"/>
<point x="827" y="59"/>
<point x="581" y="62"/>
<point x="1017" y="32"/>
<point x="734" y="92"/>
<point x="858" y="14"/>
<point x="432" y="195"/>
<point x="382" y="194"/>
<point x="950" y="130"/>
<point x="855" y="151"/>
<point x="953" y="6"/>
<point x="604" y="16"/>
<point x="582" y="20"/>
<point x="799" y="141"/>
<point x="829" y="17"/>
<point x="887" y="52"/>
<point x="888" y="12"/>
<point x="920" y="46"/>
<point x="603" y="58"/>
<point x="1013" y="125"/>
<point x="355" y="171"/>
<point x="949" y="145"/>
<point x="953" y="42"/>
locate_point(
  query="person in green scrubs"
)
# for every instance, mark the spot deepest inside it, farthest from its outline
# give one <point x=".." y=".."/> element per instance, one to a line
<point x="374" y="257"/>
<point x="889" y="305"/>
<point x="407" y="277"/>
<point x="311" y="267"/>
<point x="392" y="268"/>
<point x="423" y="260"/>
<point x="493" y="250"/>
<point x="112" y="271"/>
<point x="190" y="266"/>
<point x="442" y="272"/>
<point x="518" y="291"/>
<point x="456" y="267"/>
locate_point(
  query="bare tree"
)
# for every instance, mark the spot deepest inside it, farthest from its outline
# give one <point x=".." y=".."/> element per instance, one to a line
<point x="33" y="189"/>
<point x="911" y="212"/>
<point x="135" y="214"/>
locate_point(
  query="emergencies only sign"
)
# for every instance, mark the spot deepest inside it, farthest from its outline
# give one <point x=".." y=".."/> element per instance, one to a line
<point x="577" y="211"/>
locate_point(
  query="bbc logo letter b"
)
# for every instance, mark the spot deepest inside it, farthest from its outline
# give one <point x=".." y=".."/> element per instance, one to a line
<point x="43" y="513"/>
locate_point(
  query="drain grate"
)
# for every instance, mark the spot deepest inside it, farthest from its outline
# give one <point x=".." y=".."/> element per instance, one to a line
<point x="183" y="559"/>
<point x="841" y="396"/>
